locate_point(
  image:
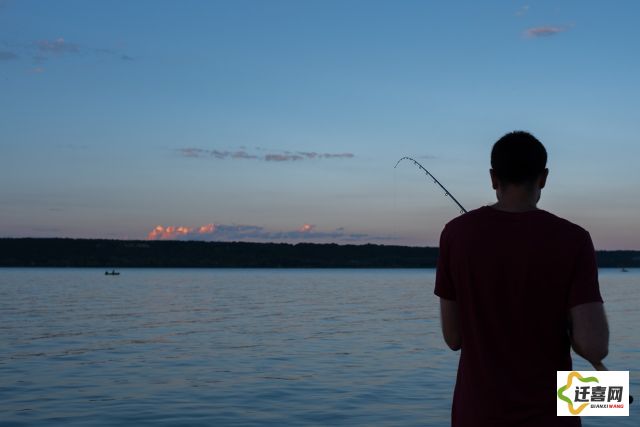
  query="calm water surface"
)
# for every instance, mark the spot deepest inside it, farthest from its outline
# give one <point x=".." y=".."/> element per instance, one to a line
<point x="244" y="347"/>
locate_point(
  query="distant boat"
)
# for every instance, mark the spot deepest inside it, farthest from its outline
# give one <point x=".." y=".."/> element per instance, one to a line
<point x="112" y="273"/>
<point x="624" y="270"/>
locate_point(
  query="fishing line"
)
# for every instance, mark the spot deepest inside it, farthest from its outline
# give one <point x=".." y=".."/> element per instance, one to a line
<point x="395" y="201"/>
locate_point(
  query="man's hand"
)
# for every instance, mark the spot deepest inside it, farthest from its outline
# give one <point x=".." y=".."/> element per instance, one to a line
<point x="589" y="332"/>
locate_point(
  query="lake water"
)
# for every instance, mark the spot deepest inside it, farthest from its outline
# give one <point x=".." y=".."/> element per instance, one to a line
<point x="244" y="347"/>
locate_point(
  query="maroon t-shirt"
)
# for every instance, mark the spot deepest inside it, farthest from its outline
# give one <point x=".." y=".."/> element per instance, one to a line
<point x="514" y="277"/>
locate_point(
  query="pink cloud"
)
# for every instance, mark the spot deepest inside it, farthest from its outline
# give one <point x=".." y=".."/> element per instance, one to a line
<point x="206" y="229"/>
<point x="306" y="228"/>
<point x="254" y="233"/>
<point x="168" y="233"/>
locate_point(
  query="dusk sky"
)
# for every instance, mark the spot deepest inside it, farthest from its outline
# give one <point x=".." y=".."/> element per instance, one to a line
<point x="283" y="120"/>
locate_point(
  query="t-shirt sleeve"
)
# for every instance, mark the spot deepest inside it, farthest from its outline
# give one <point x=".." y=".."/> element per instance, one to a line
<point x="584" y="286"/>
<point x="444" y="285"/>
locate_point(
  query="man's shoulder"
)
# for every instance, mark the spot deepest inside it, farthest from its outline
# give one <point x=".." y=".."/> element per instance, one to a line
<point x="474" y="216"/>
<point x="462" y="224"/>
<point x="563" y="227"/>
<point x="486" y="214"/>
<point x="464" y="219"/>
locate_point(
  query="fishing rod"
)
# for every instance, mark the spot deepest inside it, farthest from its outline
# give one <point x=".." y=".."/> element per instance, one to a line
<point x="435" y="180"/>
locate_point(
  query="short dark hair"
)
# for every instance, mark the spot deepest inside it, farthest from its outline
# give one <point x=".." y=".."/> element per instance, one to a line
<point x="518" y="158"/>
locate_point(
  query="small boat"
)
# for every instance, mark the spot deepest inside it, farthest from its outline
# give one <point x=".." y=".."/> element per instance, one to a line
<point x="624" y="270"/>
<point x="112" y="273"/>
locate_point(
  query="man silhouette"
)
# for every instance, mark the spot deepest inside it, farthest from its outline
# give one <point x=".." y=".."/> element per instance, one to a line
<point x="518" y="287"/>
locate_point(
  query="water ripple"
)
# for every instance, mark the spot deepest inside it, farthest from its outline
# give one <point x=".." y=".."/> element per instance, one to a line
<point x="238" y="347"/>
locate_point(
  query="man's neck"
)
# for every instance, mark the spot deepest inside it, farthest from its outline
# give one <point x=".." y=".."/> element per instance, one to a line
<point x="520" y="206"/>
<point x="516" y="199"/>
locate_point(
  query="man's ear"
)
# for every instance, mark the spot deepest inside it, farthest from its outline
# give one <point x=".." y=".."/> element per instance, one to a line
<point x="543" y="177"/>
<point x="495" y="182"/>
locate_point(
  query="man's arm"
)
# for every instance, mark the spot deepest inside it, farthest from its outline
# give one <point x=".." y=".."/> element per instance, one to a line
<point x="589" y="332"/>
<point x="449" y="316"/>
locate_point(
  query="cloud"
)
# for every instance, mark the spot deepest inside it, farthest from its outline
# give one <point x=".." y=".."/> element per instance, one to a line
<point x="48" y="49"/>
<point x="119" y="55"/>
<point x="57" y="46"/>
<point x="307" y="228"/>
<point x="241" y="154"/>
<point x="226" y="232"/>
<point x="523" y="10"/>
<point x="218" y="154"/>
<point x="545" y="31"/>
<point x="171" y="232"/>
<point x="285" y="156"/>
<point x="314" y="155"/>
<point x="191" y="152"/>
<point x="336" y="156"/>
<point x="7" y="56"/>
<point x="282" y="157"/>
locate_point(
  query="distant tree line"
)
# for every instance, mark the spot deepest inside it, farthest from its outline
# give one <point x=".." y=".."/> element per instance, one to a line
<point x="36" y="252"/>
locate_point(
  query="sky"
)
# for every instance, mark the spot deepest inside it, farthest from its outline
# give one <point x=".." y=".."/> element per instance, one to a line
<point x="282" y="121"/>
